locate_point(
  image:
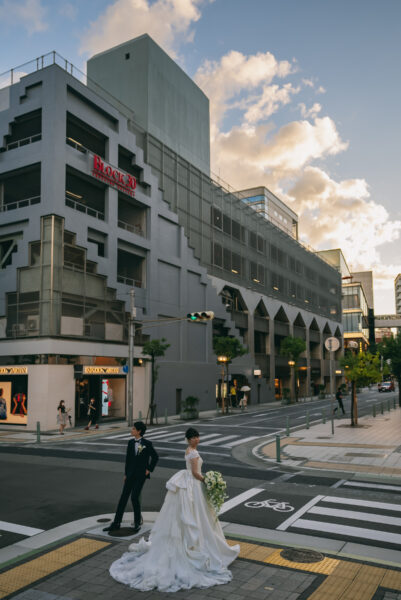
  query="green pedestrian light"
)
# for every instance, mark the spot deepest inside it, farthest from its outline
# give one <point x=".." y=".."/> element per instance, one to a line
<point x="196" y="317"/>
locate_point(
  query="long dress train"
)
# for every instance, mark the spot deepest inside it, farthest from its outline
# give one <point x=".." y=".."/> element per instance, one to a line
<point x="186" y="548"/>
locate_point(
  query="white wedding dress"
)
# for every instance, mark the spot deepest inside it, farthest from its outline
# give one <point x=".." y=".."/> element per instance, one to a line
<point x="186" y="548"/>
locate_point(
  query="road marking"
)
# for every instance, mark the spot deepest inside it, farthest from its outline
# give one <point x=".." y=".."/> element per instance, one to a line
<point x="22" y="529"/>
<point x="352" y="514"/>
<point x="204" y="437"/>
<point x="223" y="439"/>
<point x="379" y="486"/>
<point x="348" y="531"/>
<point x="182" y="451"/>
<point x="164" y="436"/>
<point x="240" y="441"/>
<point x="239" y="499"/>
<point x="367" y="503"/>
<point x="299" y="512"/>
<point x="128" y="435"/>
<point x="338" y="483"/>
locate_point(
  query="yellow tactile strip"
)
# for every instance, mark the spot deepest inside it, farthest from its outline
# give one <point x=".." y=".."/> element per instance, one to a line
<point x="346" y="580"/>
<point x="23" y="575"/>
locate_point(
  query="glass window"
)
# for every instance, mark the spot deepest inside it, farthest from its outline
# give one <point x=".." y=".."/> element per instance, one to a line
<point x="217" y="218"/>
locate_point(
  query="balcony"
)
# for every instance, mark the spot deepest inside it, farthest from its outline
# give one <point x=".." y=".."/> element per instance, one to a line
<point x="137" y="229"/>
<point x="91" y="212"/>
<point x="129" y="281"/>
<point x="20" y="204"/>
<point x="24" y="142"/>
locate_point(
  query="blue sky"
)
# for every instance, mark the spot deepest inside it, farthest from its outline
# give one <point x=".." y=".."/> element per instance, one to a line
<point x="304" y="95"/>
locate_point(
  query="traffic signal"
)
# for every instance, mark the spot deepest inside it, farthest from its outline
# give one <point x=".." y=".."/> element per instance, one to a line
<point x="196" y="317"/>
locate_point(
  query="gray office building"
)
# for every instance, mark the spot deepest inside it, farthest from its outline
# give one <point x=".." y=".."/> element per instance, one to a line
<point x="105" y="188"/>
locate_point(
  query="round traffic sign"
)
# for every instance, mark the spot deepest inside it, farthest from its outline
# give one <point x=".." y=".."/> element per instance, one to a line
<point x="332" y="344"/>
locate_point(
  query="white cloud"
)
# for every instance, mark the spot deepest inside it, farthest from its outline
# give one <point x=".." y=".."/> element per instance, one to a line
<point x="310" y="112"/>
<point x="168" y="22"/>
<point x="234" y="75"/>
<point x="321" y="90"/>
<point x="29" y="14"/>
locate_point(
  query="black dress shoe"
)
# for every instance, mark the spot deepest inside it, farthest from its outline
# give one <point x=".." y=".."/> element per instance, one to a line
<point x="112" y="527"/>
<point x="136" y="528"/>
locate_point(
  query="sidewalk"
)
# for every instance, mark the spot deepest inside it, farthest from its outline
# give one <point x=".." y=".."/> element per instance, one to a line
<point x="71" y="563"/>
<point x="373" y="447"/>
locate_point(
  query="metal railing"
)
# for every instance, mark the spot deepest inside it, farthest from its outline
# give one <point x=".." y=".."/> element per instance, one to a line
<point x="73" y="266"/>
<point x="24" y="141"/>
<point x="132" y="228"/>
<point x="92" y="212"/>
<point x="77" y="145"/>
<point x="20" y="204"/>
<point x="129" y="281"/>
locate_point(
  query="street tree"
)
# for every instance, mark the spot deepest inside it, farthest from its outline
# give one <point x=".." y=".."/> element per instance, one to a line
<point x="292" y="348"/>
<point x="229" y="347"/>
<point x="390" y="349"/>
<point x="154" y="349"/>
<point x="360" y="369"/>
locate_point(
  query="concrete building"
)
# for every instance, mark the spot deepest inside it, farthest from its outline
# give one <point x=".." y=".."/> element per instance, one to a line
<point x="397" y="291"/>
<point x="92" y="204"/>
<point x="267" y="204"/>
<point x="355" y="306"/>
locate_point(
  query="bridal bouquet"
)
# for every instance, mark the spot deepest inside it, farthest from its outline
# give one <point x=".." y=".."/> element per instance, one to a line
<point x="215" y="489"/>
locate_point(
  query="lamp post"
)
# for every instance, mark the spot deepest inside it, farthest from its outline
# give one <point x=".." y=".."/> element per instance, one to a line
<point x="291" y="364"/>
<point x="222" y="360"/>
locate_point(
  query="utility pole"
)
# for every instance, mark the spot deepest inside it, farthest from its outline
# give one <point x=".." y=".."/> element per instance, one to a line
<point x="132" y="315"/>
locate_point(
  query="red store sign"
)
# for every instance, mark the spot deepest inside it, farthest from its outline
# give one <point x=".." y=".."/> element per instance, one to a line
<point x="124" y="182"/>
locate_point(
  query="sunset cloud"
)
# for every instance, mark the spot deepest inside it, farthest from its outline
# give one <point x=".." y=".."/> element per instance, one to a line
<point x="168" y="22"/>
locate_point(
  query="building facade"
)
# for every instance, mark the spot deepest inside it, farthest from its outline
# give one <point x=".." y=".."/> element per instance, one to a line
<point x="93" y="205"/>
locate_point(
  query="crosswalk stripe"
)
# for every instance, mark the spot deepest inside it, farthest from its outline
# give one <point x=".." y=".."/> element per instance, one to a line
<point x="223" y="439"/>
<point x="164" y="436"/>
<point x="367" y="503"/>
<point x="301" y="511"/>
<point x="352" y="514"/>
<point x="22" y="529"/>
<point x="241" y="441"/>
<point x="348" y="531"/>
<point x="239" y="499"/>
<point x="128" y="435"/>
<point x="376" y="486"/>
<point x="204" y="437"/>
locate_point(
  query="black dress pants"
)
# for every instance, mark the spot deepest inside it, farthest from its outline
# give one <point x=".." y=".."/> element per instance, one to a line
<point x="132" y="487"/>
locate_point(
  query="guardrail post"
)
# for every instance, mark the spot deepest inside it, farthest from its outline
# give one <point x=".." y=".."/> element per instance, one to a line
<point x="140" y="415"/>
<point x="324" y="417"/>
<point x="388" y="405"/>
<point x="287" y="427"/>
<point x="381" y="407"/>
<point x="165" y="417"/>
<point x="394" y="402"/>
<point x="38" y="431"/>
<point x="307" y="419"/>
<point x="278" y="458"/>
<point x="374" y="410"/>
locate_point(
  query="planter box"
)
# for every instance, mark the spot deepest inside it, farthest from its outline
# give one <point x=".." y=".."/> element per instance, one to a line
<point x="187" y="415"/>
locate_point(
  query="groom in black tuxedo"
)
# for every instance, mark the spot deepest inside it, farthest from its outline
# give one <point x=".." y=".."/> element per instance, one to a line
<point x="140" y="461"/>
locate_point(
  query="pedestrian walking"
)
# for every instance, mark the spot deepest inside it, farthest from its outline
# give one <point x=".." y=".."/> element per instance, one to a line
<point x="141" y="459"/>
<point x="92" y="414"/>
<point x="339" y="398"/>
<point x="62" y="415"/>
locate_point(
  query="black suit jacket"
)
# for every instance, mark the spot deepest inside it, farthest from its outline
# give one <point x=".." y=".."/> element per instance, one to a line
<point x="136" y="465"/>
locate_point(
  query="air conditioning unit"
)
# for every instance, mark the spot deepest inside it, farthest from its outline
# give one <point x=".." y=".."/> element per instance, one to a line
<point x="32" y="324"/>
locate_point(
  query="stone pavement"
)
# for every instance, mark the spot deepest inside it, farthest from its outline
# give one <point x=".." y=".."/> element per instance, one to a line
<point x="76" y="568"/>
<point x="372" y="447"/>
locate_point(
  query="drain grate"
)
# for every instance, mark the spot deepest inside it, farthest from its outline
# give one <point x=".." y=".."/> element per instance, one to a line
<point x="300" y="555"/>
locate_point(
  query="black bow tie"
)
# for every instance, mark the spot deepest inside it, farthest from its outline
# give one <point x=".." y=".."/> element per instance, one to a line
<point x="137" y="441"/>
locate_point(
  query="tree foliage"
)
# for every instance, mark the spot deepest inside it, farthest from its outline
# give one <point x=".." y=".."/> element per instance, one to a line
<point x="154" y="349"/>
<point x="292" y="347"/>
<point x="390" y="349"/>
<point x="228" y="346"/>
<point x="360" y="369"/>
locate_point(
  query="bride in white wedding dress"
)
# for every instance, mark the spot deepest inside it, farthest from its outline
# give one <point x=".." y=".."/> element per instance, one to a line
<point x="186" y="547"/>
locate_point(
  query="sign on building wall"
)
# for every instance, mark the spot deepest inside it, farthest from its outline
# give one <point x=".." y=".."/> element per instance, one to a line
<point x="13" y="370"/>
<point x="102" y="370"/>
<point x="116" y="178"/>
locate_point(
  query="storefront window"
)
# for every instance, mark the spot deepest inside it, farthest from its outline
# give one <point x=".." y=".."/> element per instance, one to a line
<point x="13" y="400"/>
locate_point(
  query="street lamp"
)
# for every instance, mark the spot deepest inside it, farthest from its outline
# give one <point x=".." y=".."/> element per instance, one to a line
<point x="291" y="364"/>
<point x="222" y="360"/>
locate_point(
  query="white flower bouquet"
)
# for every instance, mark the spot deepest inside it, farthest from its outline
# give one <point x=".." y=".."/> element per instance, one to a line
<point x="215" y="489"/>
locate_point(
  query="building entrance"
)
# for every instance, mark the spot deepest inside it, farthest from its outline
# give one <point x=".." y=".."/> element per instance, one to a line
<point x="109" y="395"/>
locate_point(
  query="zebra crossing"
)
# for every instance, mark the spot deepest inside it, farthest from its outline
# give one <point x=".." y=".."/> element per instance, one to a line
<point x="166" y="436"/>
<point x="349" y="519"/>
<point x="369" y="485"/>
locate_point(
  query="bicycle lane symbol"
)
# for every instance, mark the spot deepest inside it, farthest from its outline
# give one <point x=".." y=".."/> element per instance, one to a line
<point x="276" y="505"/>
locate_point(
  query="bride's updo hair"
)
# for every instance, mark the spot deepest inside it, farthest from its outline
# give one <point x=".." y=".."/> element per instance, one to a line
<point x="191" y="433"/>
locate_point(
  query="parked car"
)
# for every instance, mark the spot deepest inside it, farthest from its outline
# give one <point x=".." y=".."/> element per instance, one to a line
<point x="386" y="386"/>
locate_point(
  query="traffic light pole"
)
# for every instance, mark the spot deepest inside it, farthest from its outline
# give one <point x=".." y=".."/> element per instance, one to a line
<point x="132" y="315"/>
